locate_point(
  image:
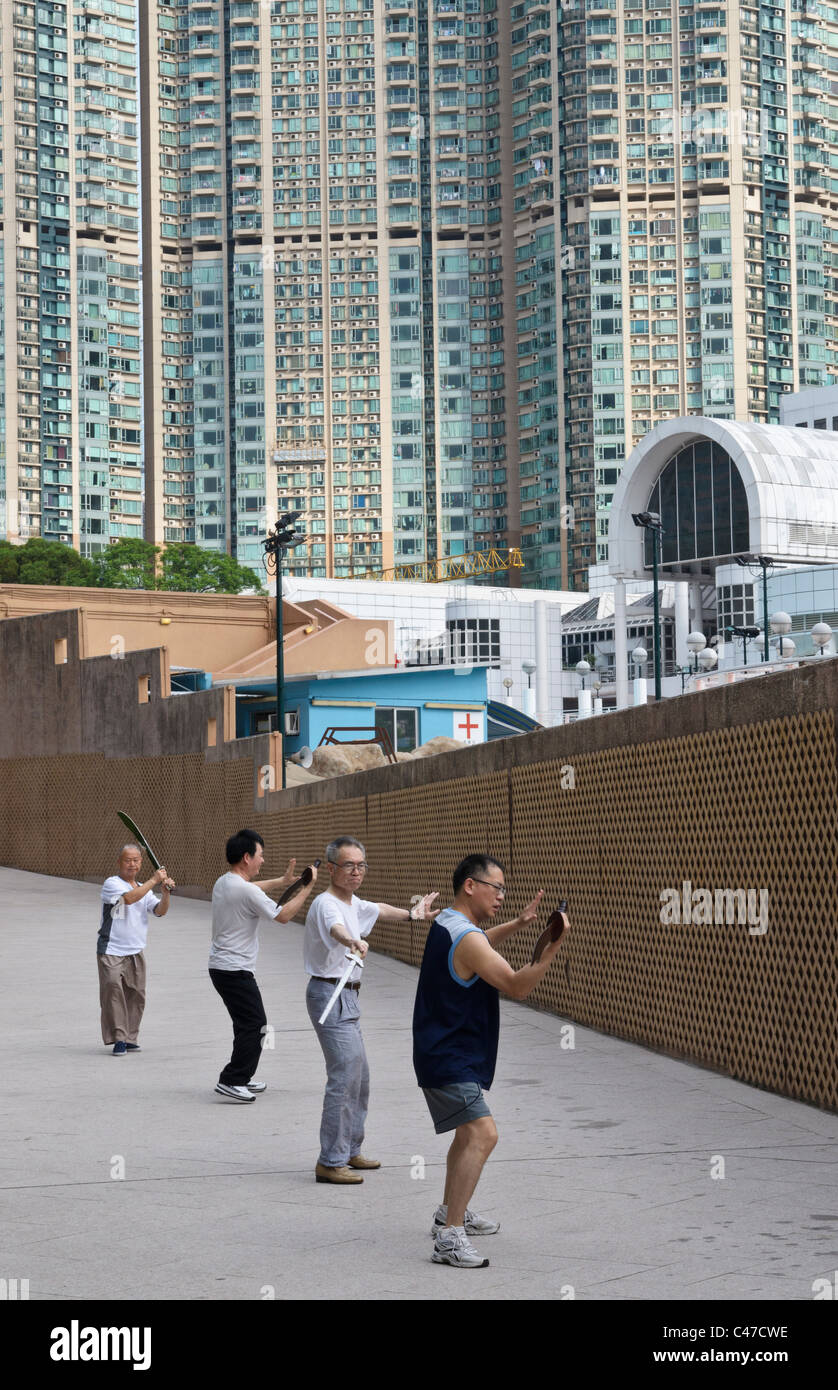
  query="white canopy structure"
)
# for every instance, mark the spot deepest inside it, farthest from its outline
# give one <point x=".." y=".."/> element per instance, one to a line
<point x="724" y="488"/>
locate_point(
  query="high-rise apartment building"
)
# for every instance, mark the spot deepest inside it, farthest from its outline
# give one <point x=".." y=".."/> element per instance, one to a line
<point x="698" y="210"/>
<point x="70" y="456"/>
<point x="423" y="270"/>
<point x="329" y="267"/>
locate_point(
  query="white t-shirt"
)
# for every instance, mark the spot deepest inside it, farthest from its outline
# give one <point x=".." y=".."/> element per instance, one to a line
<point x="322" y="955"/>
<point x="124" y="926"/>
<point x="237" y="909"/>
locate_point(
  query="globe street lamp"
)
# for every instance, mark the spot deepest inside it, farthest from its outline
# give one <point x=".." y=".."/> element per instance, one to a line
<point x="703" y="658"/>
<point x="639" y="656"/>
<point x="529" y="669"/>
<point x="583" y="669"/>
<point x="821" y="636"/>
<point x="780" y="623"/>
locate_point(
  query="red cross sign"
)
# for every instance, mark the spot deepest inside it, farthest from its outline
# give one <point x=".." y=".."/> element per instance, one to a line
<point x="466" y="728"/>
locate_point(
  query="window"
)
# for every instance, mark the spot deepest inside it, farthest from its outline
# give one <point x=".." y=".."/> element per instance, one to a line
<point x="702" y="504"/>
<point x="401" y="724"/>
<point x="474" y="641"/>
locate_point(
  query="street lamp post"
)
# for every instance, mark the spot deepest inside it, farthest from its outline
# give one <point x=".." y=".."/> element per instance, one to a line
<point x="639" y="656"/>
<point x="584" y="707"/>
<point x="765" y="563"/>
<point x="747" y="634"/>
<point x="650" y="523"/>
<point x="529" y="669"/>
<point x="283" y="537"/>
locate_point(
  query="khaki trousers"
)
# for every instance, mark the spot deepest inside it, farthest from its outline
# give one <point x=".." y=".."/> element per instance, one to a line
<point x="122" y="996"/>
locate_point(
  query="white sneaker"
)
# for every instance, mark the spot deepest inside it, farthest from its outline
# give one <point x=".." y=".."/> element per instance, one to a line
<point x="474" y="1225"/>
<point x="452" y="1247"/>
<point x="234" y="1092"/>
<point x="257" y="1087"/>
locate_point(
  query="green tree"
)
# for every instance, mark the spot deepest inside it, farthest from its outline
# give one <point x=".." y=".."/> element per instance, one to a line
<point x="189" y="569"/>
<point x="127" y="564"/>
<point x="47" y="562"/>
<point x="9" y="562"/>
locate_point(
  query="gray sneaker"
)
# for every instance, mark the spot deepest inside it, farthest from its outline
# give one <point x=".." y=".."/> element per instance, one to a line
<point x="452" y="1247"/>
<point x="474" y="1225"/>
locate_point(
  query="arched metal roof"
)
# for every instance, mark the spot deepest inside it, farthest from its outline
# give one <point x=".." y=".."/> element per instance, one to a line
<point x="791" y="484"/>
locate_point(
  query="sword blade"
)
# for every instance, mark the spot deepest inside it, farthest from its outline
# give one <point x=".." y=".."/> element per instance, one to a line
<point x="140" y="838"/>
<point x="353" y="961"/>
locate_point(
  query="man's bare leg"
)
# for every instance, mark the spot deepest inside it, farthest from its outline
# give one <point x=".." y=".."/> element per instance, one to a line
<point x="473" y="1142"/>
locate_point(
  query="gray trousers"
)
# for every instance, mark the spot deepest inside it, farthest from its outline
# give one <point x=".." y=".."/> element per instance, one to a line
<point x="347" y="1073"/>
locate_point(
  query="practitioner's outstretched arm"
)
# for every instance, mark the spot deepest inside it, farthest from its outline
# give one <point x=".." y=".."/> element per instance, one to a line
<point x="475" y="956"/>
<point x="504" y="929"/>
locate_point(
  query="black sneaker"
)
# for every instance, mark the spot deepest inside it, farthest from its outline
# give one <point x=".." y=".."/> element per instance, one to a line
<point x="120" y="1049"/>
<point x="133" y="1047"/>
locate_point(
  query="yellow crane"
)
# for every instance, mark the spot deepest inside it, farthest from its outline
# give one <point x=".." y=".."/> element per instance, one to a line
<point x="454" y="567"/>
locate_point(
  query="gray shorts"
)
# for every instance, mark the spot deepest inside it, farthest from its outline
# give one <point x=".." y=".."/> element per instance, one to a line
<point x="454" y="1105"/>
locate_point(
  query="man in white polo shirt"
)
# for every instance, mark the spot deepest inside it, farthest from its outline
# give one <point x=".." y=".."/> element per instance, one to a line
<point x="238" y="906"/>
<point x="120" y="947"/>
<point x="337" y="919"/>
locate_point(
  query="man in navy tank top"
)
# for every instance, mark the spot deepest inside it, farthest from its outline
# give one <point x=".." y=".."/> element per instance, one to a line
<point x="456" y="1021"/>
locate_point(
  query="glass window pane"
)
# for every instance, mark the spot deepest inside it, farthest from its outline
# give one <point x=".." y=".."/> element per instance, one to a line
<point x="385" y="718"/>
<point x="739" y="506"/>
<point x="722" y="539"/>
<point x="703" y="499"/>
<point x="406" y="730"/>
<point x="686" y="505"/>
<point x="669" y="513"/>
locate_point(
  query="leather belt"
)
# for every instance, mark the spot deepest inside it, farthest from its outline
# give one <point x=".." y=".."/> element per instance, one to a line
<point x="350" y="984"/>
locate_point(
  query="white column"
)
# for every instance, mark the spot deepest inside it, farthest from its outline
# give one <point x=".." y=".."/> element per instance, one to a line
<point x="640" y="690"/>
<point x="585" y="704"/>
<point x="544" y="676"/>
<point x="697" y="619"/>
<point x="529" y="702"/>
<point x="597" y="705"/>
<point x="620" y="643"/>
<point x="682" y="621"/>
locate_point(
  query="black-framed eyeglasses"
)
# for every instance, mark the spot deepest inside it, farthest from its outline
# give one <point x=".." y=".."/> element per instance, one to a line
<point x="354" y="868"/>
<point x="501" y="891"/>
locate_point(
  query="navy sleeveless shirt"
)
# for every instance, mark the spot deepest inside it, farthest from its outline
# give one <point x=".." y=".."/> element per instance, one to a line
<point x="455" y="1022"/>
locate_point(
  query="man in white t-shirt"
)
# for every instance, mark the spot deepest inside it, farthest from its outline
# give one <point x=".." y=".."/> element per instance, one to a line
<point x="120" y="947"/>
<point x="238" y="907"/>
<point x="337" y="919"/>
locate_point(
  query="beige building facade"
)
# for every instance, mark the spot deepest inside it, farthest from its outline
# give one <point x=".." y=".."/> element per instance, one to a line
<point x="218" y="633"/>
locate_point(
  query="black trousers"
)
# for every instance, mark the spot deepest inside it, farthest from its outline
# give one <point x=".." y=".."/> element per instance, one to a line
<point x="240" y="992"/>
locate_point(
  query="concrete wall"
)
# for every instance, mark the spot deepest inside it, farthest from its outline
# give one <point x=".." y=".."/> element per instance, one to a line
<point x="51" y="706"/>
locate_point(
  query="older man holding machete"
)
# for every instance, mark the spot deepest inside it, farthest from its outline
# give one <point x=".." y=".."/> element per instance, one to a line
<point x="120" y="947"/>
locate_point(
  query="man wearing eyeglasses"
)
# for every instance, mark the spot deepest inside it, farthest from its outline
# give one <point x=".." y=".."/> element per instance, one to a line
<point x="456" y="1023"/>
<point x="338" y="919"/>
